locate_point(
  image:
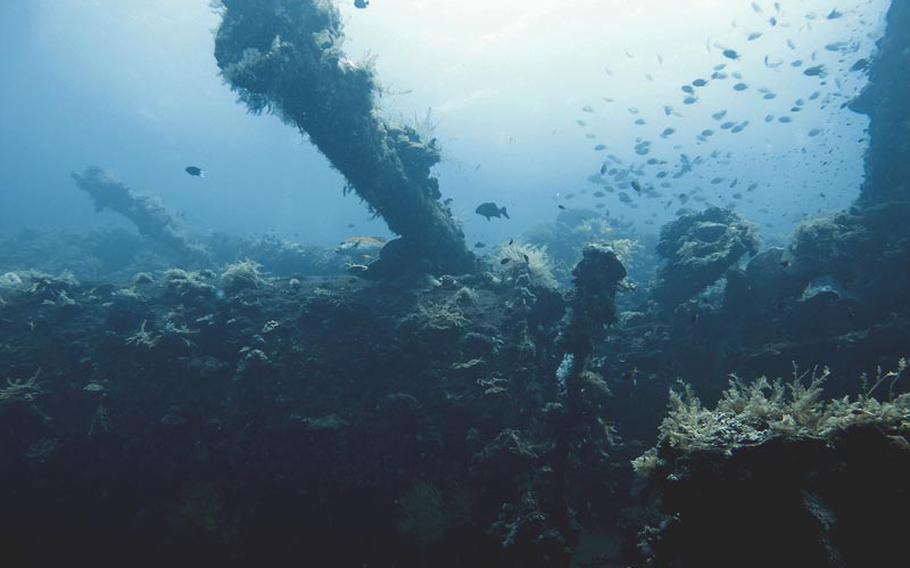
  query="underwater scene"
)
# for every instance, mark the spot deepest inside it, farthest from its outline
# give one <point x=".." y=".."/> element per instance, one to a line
<point x="455" y="283"/>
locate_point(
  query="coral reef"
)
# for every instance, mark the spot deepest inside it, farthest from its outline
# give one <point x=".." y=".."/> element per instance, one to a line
<point x="774" y="463"/>
<point x="515" y="259"/>
<point x="285" y="57"/>
<point x="698" y="249"/>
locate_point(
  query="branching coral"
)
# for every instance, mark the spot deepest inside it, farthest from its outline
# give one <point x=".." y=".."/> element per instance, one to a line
<point x="755" y="412"/>
<point x="21" y="390"/>
<point x="241" y="276"/>
<point x="515" y="259"/>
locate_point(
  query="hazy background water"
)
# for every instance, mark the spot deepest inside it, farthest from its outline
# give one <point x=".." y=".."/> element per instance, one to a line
<point x="132" y="85"/>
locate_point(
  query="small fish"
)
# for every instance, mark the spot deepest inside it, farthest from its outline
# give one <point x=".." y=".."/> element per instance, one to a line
<point x="361" y="4"/>
<point x="815" y="71"/>
<point x="740" y="87"/>
<point x="603" y="169"/>
<point x="600" y="148"/>
<point x="636" y="186"/>
<point x="479" y="245"/>
<point x="860" y="65"/>
<point x="563" y="207"/>
<point x="834" y="14"/>
<point x="505" y="261"/>
<point x="754" y="36"/>
<point x="699" y="82"/>
<point x="719" y="115"/>
<point x="587" y="109"/>
<point x="194" y="171"/>
<point x="731" y="54"/>
<point x="490" y="209"/>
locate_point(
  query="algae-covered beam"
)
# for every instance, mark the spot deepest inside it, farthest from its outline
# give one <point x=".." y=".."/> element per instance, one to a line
<point x="884" y="99"/>
<point x="151" y="219"/>
<point x="285" y="57"/>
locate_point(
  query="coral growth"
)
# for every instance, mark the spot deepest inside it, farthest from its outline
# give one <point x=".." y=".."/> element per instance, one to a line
<point x="775" y="463"/>
<point x="515" y="259"/>
<point x="285" y="57"/>
<point x="149" y="216"/>
<point x="698" y="248"/>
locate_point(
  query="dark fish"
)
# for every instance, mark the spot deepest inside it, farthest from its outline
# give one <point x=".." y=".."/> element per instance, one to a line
<point x="563" y="207"/>
<point x="636" y="186"/>
<point x="699" y="83"/>
<point x="740" y="87"/>
<point x="505" y="261"/>
<point x="490" y="209"/>
<point x="834" y="14"/>
<point x="815" y="71"/>
<point x="719" y="115"/>
<point x="361" y="4"/>
<point x="860" y="65"/>
<point x="603" y="169"/>
<point x="194" y="171"/>
<point x="731" y="54"/>
<point x="479" y="245"/>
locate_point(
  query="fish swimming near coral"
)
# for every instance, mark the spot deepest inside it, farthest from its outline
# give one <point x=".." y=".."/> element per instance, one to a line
<point x="194" y="171"/>
<point x="360" y="247"/>
<point x="490" y="209"/>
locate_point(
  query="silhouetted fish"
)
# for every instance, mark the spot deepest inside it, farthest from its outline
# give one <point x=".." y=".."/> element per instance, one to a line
<point x="194" y="171"/>
<point x="490" y="209"/>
